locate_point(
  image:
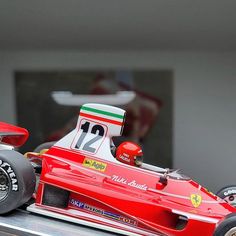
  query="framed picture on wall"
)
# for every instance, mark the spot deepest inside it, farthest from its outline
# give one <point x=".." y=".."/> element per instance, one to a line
<point x="48" y="104"/>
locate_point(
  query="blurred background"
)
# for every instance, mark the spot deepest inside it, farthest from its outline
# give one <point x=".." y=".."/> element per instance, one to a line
<point x="174" y="60"/>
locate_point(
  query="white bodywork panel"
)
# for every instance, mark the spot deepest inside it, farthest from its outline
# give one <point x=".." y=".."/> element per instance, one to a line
<point x="96" y="121"/>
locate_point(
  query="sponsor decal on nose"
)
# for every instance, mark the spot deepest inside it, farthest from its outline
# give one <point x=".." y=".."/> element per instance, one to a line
<point x="93" y="164"/>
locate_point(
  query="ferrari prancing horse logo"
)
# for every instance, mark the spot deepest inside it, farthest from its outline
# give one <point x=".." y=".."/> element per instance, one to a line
<point x="196" y="200"/>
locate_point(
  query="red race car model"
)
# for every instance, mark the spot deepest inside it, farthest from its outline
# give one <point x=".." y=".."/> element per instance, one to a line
<point x="82" y="182"/>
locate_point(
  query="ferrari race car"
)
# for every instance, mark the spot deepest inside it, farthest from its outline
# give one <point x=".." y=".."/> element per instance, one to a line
<point x="80" y="181"/>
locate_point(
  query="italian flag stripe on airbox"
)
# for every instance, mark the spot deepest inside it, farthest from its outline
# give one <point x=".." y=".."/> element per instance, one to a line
<point x="101" y="115"/>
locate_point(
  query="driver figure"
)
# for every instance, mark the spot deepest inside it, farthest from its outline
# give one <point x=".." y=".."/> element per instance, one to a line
<point x="129" y="153"/>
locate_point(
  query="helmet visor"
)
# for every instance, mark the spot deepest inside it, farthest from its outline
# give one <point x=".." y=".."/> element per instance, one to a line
<point x="138" y="160"/>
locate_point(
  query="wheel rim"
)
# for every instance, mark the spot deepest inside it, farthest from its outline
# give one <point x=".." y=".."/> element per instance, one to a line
<point x="231" y="232"/>
<point x="231" y="200"/>
<point x="5" y="184"/>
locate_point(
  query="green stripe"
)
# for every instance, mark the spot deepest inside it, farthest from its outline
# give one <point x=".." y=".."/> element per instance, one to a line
<point x="102" y="112"/>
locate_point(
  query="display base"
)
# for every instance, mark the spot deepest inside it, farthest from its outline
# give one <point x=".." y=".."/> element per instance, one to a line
<point x="90" y="220"/>
<point x="21" y="223"/>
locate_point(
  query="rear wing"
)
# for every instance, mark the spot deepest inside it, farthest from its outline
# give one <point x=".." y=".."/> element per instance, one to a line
<point x="13" y="135"/>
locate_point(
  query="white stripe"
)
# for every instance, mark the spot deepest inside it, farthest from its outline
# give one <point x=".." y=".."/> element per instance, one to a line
<point x="196" y="217"/>
<point x="182" y="196"/>
<point x="102" y="115"/>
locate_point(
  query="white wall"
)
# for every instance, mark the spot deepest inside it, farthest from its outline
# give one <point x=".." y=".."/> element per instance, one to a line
<point x="204" y="101"/>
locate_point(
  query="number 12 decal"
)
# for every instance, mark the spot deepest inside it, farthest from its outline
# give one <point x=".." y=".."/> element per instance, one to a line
<point x="89" y="137"/>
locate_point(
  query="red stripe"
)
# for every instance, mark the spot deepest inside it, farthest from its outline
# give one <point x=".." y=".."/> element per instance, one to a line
<point x="101" y="119"/>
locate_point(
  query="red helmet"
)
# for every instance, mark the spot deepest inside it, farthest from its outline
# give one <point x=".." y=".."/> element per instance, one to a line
<point x="129" y="153"/>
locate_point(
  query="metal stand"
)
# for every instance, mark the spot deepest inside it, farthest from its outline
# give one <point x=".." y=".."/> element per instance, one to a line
<point x="23" y="223"/>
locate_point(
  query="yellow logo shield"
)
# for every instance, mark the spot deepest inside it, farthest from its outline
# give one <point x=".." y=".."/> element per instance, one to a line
<point x="196" y="200"/>
<point x="96" y="165"/>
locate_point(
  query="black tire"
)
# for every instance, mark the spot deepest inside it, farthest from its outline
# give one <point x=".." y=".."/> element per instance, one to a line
<point x="228" y="193"/>
<point x="227" y="227"/>
<point x="44" y="146"/>
<point x="17" y="178"/>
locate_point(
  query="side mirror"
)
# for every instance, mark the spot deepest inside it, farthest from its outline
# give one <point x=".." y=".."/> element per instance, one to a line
<point x="162" y="182"/>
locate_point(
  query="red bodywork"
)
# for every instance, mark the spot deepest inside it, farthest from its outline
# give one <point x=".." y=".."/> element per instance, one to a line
<point x="130" y="194"/>
<point x="85" y="182"/>
<point x="13" y="135"/>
